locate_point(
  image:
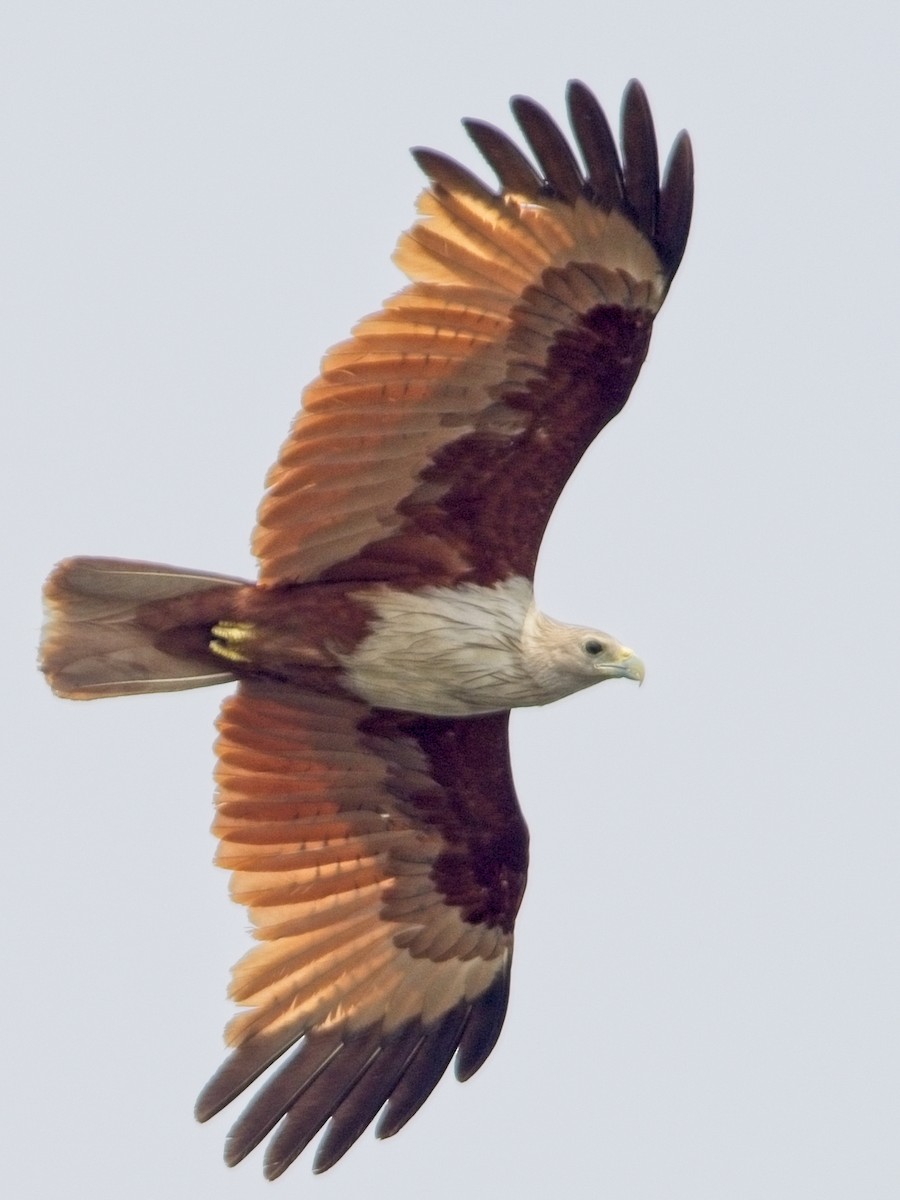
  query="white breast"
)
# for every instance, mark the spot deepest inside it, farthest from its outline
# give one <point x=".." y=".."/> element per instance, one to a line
<point x="447" y="651"/>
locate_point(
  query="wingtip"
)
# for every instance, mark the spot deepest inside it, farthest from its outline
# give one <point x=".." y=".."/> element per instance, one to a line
<point x="623" y="175"/>
<point x="577" y="91"/>
<point x="635" y="85"/>
<point x="676" y="202"/>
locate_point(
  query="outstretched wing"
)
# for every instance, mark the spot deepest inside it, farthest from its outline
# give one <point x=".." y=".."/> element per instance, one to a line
<point x="382" y="857"/>
<point x="435" y="443"/>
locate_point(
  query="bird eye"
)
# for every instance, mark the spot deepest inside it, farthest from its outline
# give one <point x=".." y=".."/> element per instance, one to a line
<point x="593" y="647"/>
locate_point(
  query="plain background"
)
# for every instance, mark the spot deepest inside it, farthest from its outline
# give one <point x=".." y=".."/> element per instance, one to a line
<point x="198" y="199"/>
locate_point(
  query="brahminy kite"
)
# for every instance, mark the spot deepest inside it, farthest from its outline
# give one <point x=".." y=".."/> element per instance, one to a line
<point x="365" y="800"/>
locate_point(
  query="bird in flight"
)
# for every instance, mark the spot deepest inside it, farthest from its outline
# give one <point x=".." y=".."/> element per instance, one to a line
<point x="365" y="803"/>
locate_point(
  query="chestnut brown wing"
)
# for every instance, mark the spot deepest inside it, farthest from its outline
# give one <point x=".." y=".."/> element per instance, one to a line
<point x="435" y="442"/>
<point x="382" y="857"/>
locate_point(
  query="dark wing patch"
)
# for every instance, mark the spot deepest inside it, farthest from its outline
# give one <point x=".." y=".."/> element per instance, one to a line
<point x="476" y="389"/>
<point x="382" y="857"/>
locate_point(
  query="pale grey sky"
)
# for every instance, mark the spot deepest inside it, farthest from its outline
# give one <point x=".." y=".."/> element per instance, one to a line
<point x="200" y="198"/>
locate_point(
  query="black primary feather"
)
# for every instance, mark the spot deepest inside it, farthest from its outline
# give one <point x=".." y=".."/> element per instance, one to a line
<point x="553" y="153"/>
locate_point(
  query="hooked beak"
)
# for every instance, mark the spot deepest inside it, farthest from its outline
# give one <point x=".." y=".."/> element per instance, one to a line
<point x="628" y="666"/>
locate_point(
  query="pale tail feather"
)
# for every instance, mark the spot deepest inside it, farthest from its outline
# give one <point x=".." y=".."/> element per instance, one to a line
<point x="96" y="641"/>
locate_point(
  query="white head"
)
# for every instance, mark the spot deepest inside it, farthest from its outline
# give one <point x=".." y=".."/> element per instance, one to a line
<point x="566" y="658"/>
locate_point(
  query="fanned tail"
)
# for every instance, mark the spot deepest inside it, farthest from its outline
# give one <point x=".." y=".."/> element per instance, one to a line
<point x="120" y="628"/>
